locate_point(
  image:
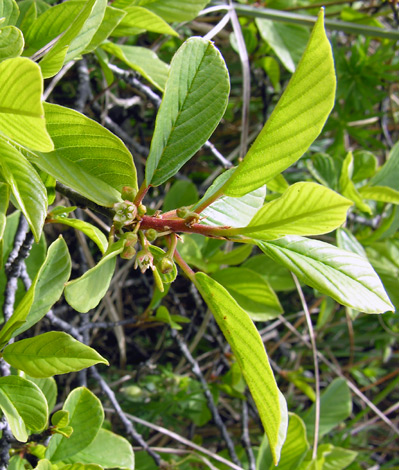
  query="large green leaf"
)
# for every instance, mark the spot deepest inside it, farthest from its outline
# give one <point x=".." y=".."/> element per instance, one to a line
<point x="288" y="41"/>
<point x="169" y="10"/>
<point x="251" y="291"/>
<point x="140" y="19"/>
<point x="86" y="292"/>
<point x="51" y="354"/>
<point x="389" y="172"/>
<point x="21" y="109"/>
<point x="293" y="451"/>
<point x="112" y="17"/>
<point x="48" y="386"/>
<point x="343" y="275"/>
<point x="11" y="42"/>
<point x="108" y="450"/>
<point x="26" y="186"/>
<point x="194" y="101"/>
<point x="86" y="416"/>
<point x="9" y="10"/>
<point x="24" y="406"/>
<point x="141" y="59"/>
<point x="249" y="350"/>
<point x="335" y="407"/>
<point x="304" y="209"/>
<point x="295" y="122"/>
<point x="45" y="290"/>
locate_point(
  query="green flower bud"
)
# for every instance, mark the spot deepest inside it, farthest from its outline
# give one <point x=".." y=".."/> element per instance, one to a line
<point x="141" y="210"/>
<point x="128" y="252"/>
<point x="131" y="238"/>
<point x="128" y="193"/>
<point x="166" y="265"/>
<point x="182" y="212"/>
<point x="151" y="234"/>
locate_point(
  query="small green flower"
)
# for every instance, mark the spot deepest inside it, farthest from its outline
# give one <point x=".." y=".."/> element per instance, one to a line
<point x="144" y="260"/>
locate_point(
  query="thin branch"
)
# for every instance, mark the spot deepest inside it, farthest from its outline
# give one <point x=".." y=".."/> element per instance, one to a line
<point x="245" y="437"/>
<point x="208" y="395"/>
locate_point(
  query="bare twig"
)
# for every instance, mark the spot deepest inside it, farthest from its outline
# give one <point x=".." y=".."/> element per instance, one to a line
<point x="245" y="437"/>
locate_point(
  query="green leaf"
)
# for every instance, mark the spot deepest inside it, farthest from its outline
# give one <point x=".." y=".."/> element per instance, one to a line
<point x="82" y="466"/>
<point x="158" y="254"/>
<point x="26" y="186"/>
<point x="293" y="450"/>
<point x="44" y="464"/>
<point x="304" y="209"/>
<point x="11" y="42"/>
<point x="45" y="290"/>
<point x="388" y="174"/>
<point x="182" y="193"/>
<point x="288" y="41"/>
<point x="4" y="200"/>
<point x="249" y="350"/>
<point x="322" y="168"/>
<point x="21" y="109"/>
<point x="51" y="65"/>
<point x="9" y="10"/>
<point x="234" y="211"/>
<point x="295" y="122"/>
<point x="108" y="450"/>
<point x="347" y="186"/>
<point x="346" y="277"/>
<point x="95" y="234"/>
<point x="86" y="292"/>
<point x="48" y="386"/>
<point x="272" y="69"/>
<point x="339" y="458"/>
<point x="380" y="193"/>
<point x="51" y="354"/>
<point x="195" y="98"/>
<point x="275" y="274"/>
<point x="364" y="165"/>
<point x="214" y="189"/>
<point x="141" y="59"/>
<point x="140" y="19"/>
<point x="112" y="17"/>
<point x="231" y="258"/>
<point x="347" y="241"/>
<point x="86" y="417"/>
<point x="252" y="293"/>
<point x="24" y="406"/>
<point x="60" y="418"/>
<point x="169" y="10"/>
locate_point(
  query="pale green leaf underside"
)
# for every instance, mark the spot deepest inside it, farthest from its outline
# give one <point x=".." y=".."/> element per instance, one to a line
<point x="141" y="59"/>
<point x="143" y="19"/>
<point x="86" y="416"/>
<point x="11" y="42"/>
<point x="296" y="121"/>
<point x="345" y="276"/>
<point x="26" y="186"/>
<point x="108" y="450"/>
<point x="21" y="109"/>
<point x="194" y="101"/>
<point x="86" y="292"/>
<point x="24" y="405"/>
<point x="303" y="209"/>
<point x="234" y="211"/>
<point x="51" y="354"/>
<point x="249" y="350"/>
<point x="169" y="10"/>
<point x="251" y="291"/>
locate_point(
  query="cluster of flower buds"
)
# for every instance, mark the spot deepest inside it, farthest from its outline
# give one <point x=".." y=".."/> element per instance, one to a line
<point x="189" y="217"/>
<point x="125" y="213"/>
<point x="130" y="245"/>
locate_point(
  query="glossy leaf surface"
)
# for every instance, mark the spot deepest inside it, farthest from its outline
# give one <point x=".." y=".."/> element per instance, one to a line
<point x="50" y="354"/>
<point x="249" y="350"/>
<point x="295" y="122"/>
<point x="345" y="276"/>
<point x="11" y="42"/>
<point x="21" y="88"/>
<point x="194" y="101"/>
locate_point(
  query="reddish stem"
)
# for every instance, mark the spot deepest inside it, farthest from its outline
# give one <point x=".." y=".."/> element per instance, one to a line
<point x="184" y="266"/>
<point x="141" y="193"/>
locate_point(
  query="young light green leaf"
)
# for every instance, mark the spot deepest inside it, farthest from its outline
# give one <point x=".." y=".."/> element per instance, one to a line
<point x="295" y="122"/>
<point x="21" y="109"/>
<point x="45" y="290"/>
<point x="141" y="59"/>
<point x="48" y="386"/>
<point x="112" y="17"/>
<point x="388" y="174"/>
<point x="86" y="292"/>
<point x="251" y="291"/>
<point x="108" y="450"/>
<point x="51" y="65"/>
<point x="140" y="19"/>
<point x="51" y="353"/>
<point x="288" y="41"/>
<point x="11" y="42"/>
<point x="194" y="101"/>
<point x="335" y="407"/>
<point x="86" y="417"/>
<point x="95" y="234"/>
<point x="26" y="186"/>
<point x="232" y="258"/>
<point x="169" y="10"/>
<point x="234" y="211"/>
<point x="9" y="10"/>
<point x="44" y="464"/>
<point x="4" y="199"/>
<point x="380" y="193"/>
<point x="322" y="168"/>
<point x="294" y="449"/>
<point x="249" y="350"/>
<point x="304" y="209"/>
<point x="347" y="186"/>
<point x="24" y="406"/>
<point x="346" y="277"/>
